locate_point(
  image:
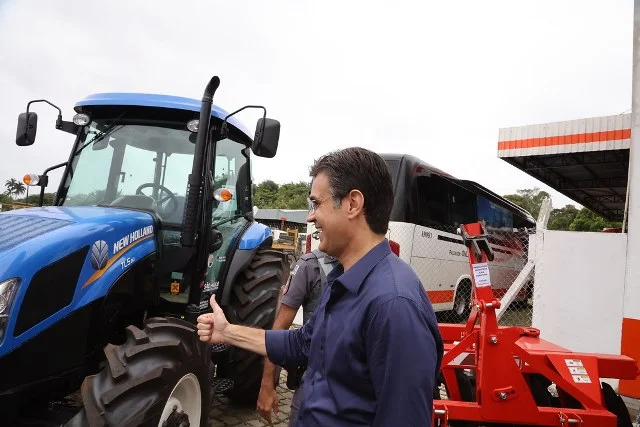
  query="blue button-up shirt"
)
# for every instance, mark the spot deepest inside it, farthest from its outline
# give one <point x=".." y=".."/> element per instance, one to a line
<point x="372" y="347"/>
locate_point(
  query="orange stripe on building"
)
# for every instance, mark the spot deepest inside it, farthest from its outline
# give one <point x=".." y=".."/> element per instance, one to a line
<point x="578" y="138"/>
<point x="631" y="348"/>
<point x="440" y="297"/>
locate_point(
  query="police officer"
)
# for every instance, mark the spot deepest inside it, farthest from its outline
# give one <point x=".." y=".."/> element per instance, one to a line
<point x="304" y="288"/>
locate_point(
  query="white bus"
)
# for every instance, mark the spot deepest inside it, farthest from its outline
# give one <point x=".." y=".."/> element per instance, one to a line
<point x="428" y="208"/>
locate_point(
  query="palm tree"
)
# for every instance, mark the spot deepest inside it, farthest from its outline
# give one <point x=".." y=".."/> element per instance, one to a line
<point x="14" y="187"/>
<point x="10" y="185"/>
<point x="19" y="188"/>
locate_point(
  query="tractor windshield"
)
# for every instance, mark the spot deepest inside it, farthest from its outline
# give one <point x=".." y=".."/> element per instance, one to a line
<point x="142" y="166"/>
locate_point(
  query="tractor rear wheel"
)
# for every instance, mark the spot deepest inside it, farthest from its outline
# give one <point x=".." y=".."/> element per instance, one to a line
<point x="159" y="376"/>
<point x="253" y="302"/>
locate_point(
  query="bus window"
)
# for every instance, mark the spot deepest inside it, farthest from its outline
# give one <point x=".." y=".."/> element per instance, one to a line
<point x="495" y="216"/>
<point x="430" y="201"/>
<point x="462" y="206"/>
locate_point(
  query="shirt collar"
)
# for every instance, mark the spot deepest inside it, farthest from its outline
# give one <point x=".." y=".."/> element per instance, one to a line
<point x="328" y="259"/>
<point x="354" y="277"/>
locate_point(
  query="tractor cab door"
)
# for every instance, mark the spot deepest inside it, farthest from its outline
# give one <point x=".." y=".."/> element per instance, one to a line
<point x="232" y="173"/>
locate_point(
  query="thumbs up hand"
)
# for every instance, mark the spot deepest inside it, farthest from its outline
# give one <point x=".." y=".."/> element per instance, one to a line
<point x="211" y="326"/>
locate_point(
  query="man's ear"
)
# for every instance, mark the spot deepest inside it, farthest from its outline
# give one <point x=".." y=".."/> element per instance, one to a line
<point x="355" y="204"/>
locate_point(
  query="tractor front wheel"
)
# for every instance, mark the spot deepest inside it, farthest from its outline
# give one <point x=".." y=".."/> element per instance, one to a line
<point x="158" y="377"/>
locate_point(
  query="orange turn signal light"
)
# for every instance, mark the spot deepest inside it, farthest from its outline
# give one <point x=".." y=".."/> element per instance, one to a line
<point x="31" y="179"/>
<point x="223" y="194"/>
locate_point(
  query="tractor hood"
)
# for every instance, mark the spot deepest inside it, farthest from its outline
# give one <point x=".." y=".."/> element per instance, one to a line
<point x="33" y="238"/>
<point x="64" y="258"/>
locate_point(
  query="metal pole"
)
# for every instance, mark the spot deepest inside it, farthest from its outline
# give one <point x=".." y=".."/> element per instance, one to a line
<point x="626" y="203"/>
<point x="631" y="300"/>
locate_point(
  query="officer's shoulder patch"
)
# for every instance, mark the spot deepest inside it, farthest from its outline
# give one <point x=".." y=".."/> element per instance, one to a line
<point x="285" y="288"/>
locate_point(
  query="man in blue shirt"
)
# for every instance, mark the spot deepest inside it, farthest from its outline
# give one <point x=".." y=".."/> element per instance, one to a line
<point x="304" y="288"/>
<point x="372" y="347"/>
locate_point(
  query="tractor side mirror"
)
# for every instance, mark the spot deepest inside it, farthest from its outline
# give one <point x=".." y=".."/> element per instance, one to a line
<point x="27" y="126"/>
<point x="265" y="142"/>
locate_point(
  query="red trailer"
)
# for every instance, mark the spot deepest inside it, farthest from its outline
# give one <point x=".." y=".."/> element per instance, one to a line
<point x="497" y="376"/>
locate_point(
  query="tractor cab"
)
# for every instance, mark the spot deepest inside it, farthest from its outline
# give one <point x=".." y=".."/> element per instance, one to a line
<point x="131" y="154"/>
<point x="134" y="158"/>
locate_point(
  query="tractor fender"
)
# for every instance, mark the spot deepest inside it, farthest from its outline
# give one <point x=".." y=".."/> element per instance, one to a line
<point x="255" y="236"/>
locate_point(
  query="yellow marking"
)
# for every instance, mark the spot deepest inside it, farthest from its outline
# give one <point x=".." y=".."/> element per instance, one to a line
<point x="98" y="274"/>
<point x="175" y="288"/>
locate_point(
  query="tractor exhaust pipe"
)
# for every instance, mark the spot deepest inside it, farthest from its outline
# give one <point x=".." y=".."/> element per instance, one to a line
<point x="194" y="187"/>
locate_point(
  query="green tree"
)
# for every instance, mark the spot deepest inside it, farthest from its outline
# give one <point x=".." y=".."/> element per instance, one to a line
<point x="19" y="189"/>
<point x="566" y="218"/>
<point x="529" y="199"/>
<point x="292" y="195"/>
<point x="561" y="219"/>
<point x="34" y="199"/>
<point x="14" y="187"/>
<point x="265" y="194"/>
<point x="10" y="185"/>
<point x="587" y="220"/>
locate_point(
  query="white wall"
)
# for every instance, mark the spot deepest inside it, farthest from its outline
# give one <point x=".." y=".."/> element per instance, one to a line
<point x="579" y="290"/>
<point x="298" y="319"/>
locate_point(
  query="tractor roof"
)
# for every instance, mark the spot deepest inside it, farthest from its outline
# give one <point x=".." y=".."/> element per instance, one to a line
<point x="158" y="101"/>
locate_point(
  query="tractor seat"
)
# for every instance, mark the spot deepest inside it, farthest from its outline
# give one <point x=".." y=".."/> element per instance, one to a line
<point x="167" y="212"/>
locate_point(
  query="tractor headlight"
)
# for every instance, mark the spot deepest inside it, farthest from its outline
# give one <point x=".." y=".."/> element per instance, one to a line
<point x="8" y="290"/>
<point x="81" y="119"/>
<point x="193" y="125"/>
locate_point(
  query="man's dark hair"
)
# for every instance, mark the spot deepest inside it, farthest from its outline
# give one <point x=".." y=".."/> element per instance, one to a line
<point x="357" y="168"/>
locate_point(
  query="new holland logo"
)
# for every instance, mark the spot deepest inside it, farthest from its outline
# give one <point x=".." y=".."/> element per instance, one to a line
<point x="99" y="254"/>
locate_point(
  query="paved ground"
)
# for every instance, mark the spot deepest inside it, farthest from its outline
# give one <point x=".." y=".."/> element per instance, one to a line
<point x="225" y="413"/>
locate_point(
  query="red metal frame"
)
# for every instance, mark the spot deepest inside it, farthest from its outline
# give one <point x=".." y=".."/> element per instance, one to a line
<point x="505" y="358"/>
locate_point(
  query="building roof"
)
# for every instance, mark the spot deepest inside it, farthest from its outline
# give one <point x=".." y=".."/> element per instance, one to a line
<point x="587" y="160"/>
<point x="298" y="216"/>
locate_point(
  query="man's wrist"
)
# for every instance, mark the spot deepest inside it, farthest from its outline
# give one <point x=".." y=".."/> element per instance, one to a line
<point x="267" y="382"/>
<point x="227" y="333"/>
<point x="268" y="374"/>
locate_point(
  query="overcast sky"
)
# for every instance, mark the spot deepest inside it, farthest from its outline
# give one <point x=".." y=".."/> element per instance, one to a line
<point x="434" y="79"/>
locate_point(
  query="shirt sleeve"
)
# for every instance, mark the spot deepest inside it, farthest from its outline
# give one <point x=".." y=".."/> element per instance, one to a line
<point x="403" y="360"/>
<point x="290" y="347"/>
<point x="295" y="292"/>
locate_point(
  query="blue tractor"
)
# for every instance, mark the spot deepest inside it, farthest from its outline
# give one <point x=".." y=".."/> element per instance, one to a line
<point x="100" y="292"/>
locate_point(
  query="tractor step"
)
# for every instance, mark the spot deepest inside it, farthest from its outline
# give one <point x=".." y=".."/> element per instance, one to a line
<point x="220" y="385"/>
<point x="218" y="348"/>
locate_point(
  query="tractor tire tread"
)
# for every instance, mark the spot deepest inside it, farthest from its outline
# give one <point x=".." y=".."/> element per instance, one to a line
<point x="153" y="359"/>
<point x="116" y="365"/>
<point x="253" y="302"/>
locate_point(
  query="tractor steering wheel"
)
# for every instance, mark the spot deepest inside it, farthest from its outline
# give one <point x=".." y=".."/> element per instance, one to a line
<point x="160" y="202"/>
